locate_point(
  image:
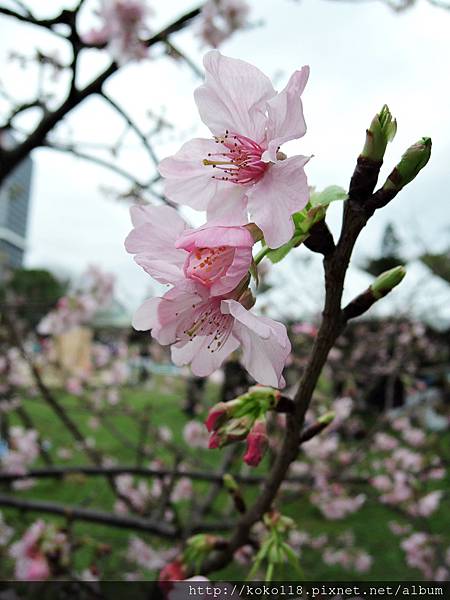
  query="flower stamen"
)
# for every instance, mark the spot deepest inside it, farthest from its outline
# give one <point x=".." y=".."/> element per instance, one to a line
<point x="240" y="162"/>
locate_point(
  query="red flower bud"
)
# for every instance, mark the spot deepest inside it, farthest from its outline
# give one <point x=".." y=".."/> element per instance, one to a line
<point x="214" y="440"/>
<point x="257" y="442"/>
<point x="216" y="416"/>
<point x="174" y="571"/>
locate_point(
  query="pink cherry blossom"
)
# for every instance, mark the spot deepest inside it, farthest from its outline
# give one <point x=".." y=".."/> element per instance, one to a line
<point x="31" y="564"/>
<point x="203" y="330"/>
<point x="22" y="452"/>
<point x="195" y="435"/>
<point x="182" y="490"/>
<point x="219" y="19"/>
<point x="241" y="169"/>
<point x="334" y="504"/>
<point x="428" y="504"/>
<point x="218" y="257"/>
<point x="146" y="556"/>
<point x="362" y="562"/>
<point x="123" y="28"/>
<point x="413" y="436"/>
<point x="385" y="442"/>
<point x="420" y="553"/>
<point x="80" y="305"/>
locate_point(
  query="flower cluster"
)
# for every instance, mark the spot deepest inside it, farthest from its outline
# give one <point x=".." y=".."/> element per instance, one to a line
<point x="250" y="190"/>
<point x="122" y="30"/>
<point x="80" y="305"/>
<point x="40" y="553"/>
<point x="422" y="552"/>
<point x="243" y="418"/>
<point x="400" y="468"/>
<point x="21" y="451"/>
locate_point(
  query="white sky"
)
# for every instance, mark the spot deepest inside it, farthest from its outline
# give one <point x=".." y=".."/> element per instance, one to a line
<point x="361" y="55"/>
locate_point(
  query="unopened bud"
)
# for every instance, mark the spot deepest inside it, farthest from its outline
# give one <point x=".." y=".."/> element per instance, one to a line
<point x="236" y="429"/>
<point x="230" y="483"/>
<point x="382" y="130"/>
<point x="174" y="571"/>
<point x="202" y="542"/>
<point x="388" y="280"/>
<point x="413" y="160"/>
<point x="217" y="416"/>
<point x="327" y="418"/>
<point x="257" y="442"/>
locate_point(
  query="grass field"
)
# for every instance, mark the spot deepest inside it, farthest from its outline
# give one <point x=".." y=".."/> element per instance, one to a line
<point x="370" y="524"/>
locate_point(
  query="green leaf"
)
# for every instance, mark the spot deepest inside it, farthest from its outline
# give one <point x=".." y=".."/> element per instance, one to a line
<point x="328" y="195"/>
<point x="279" y="253"/>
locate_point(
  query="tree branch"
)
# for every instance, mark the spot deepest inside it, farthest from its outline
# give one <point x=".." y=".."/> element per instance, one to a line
<point x="10" y="159"/>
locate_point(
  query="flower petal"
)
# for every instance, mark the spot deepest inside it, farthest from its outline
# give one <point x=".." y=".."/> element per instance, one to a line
<point x="164" y="217"/>
<point x="233" y="96"/>
<point x="286" y="121"/>
<point x="175" y="310"/>
<point x="153" y="242"/>
<point x="272" y="201"/>
<point x="244" y="316"/>
<point x="229" y="206"/>
<point x="264" y="356"/>
<point x="213" y="236"/>
<point x="235" y="274"/>
<point x="203" y="361"/>
<point x="146" y="316"/>
<point x="187" y="180"/>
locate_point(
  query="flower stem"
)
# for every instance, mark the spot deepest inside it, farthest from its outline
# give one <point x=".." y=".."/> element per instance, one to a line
<point x="261" y="254"/>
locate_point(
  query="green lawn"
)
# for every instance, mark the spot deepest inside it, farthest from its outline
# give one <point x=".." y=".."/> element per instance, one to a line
<point x="370" y="524"/>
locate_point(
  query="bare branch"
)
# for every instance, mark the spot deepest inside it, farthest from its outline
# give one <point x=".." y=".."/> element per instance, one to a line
<point x="99" y="161"/>
<point x="132" y="125"/>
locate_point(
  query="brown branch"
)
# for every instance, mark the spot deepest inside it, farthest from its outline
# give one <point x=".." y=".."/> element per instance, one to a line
<point x="132" y="125"/>
<point x="74" y="513"/>
<point x="336" y="264"/>
<point x="46" y="393"/>
<point x="83" y="514"/>
<point x="59" y="472"/>
<point x="320" y="239"/>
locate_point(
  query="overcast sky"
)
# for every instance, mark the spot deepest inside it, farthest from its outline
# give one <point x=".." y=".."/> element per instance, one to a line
<point x="361" y="55"/>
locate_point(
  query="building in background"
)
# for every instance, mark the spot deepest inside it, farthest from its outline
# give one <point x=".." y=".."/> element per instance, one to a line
<point x="14" y="206"/>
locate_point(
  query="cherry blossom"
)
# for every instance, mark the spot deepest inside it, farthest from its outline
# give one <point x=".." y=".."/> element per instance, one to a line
<point x="22" y="451"/>
<point x="147" y="557"/>
<point x="195" y="435"/>
<point x="79" y="306"/>
<point x="216" y="257"/>
<point x="219" y="19"/>
<point x="123" y="29"/>
<point x="241" y="168"/>
<point x="203" y="330"/>
<point x="31" y="552"/>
